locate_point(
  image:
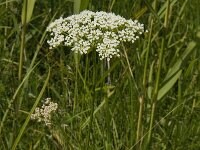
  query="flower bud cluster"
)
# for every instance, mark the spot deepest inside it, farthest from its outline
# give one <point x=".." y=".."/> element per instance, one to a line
<point x="44" y="113"/>
<point x="94" y="30"/>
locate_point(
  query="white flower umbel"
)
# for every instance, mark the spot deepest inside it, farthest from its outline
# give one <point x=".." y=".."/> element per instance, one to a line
<point x="98" y="31"/>
<point x="44" y="113"/>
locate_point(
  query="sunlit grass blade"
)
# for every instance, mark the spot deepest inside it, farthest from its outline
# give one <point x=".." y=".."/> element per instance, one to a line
<point x="169" y="84"/>
<point x="27" y="11"/>
<point x="31" y="111"/>
<point x="150" y="81"/>
<point x="77" y="6"/>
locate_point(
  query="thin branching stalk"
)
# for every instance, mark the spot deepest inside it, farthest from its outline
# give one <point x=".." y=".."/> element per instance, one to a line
<point x="154" y="99"/>
<point x="130" y="70"/>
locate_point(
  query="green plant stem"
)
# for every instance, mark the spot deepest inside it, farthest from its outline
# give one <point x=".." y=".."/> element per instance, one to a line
<point x="90" y="133"/>
<point x="108" y="143"/>
<point x="22" y="44"/>
<point x="76" y="82"/>
<point x="18" y="101"/>
<point x="86" y="71"/>
<point x="167" y="14"/>
<point x="130" y="70"/>
<point x="156" y="91"/>
<point x="132" y="113"/>
<point x="136" y="89"/>
<point x="139" y="124"/>
<point x="109" y="80"/>
<point x="5" y="31"/>
<point x="141" y="99"/>
<point x="147" y="57"/>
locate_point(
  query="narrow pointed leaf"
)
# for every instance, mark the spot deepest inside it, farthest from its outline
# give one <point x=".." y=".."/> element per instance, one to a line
<point x="150" y="80"/>
<point x="168" y="85"/>
<point x="178" y="63"/>
<point x="27" y="10"/>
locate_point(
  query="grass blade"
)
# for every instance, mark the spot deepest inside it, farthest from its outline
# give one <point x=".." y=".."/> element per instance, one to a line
<point x="77" y="6"/>
<point x="27" y="11"/>
<point x="168" y="85"/>
<point x="84" y="4"/>
<point x="14" y="97"/>
<point x="32" y="110"/>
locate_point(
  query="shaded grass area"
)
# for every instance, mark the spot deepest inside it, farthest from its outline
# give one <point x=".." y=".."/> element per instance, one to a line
<point x="151" y="103"/>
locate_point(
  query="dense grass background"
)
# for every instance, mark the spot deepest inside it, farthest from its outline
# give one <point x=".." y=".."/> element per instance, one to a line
<point x="153" y="101"/>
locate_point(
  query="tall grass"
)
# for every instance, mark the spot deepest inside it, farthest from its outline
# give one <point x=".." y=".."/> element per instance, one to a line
<point x="146" y="99"/>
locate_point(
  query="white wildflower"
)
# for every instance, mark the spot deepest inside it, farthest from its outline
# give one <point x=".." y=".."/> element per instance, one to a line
<point x="44" y="113"/>
<point x="100" y="31"/>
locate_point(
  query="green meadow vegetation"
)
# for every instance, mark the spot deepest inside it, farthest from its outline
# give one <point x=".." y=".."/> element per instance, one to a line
<point x="148" y="98"/>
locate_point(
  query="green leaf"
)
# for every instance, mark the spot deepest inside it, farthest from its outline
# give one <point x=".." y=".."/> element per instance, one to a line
<point x="84" y="5"/>
<point x="27" y="11"/>
<point x="77" y="6"/>
<point x="80" y="5"/>
<point x="190" y="68"/>
<point x="168" y="85"/>
<point x="150" y="80"/>
<point x="175" y="72"/>
<point x="178" y="63"/>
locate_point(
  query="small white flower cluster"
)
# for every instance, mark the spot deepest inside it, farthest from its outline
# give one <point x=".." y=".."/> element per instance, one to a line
<point x="94" y="30"/>
<point x="44" y="113"/>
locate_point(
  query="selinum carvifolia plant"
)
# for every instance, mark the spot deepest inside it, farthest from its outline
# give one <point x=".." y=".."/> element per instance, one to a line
<point x="99" y="32"/>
